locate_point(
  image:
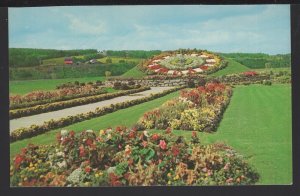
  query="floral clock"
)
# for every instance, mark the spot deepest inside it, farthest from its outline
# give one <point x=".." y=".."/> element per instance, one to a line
<point x="183" y="64"/>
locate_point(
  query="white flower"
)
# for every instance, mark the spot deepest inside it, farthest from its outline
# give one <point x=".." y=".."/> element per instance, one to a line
<point x="62" y="164"/>
<point x="109" y="136"/>
<point x="60" y="154"/>
<point x="89" y="131"/>
<point x="64" y="132"/>
<point x="146" y="133"/>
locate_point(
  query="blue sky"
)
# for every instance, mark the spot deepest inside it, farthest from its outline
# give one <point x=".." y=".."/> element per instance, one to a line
<point x="227" y="28"/>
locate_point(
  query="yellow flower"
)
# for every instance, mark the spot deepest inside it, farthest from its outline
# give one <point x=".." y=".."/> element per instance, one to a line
<point x="169" y="182"/>
<point x="176" y="177"/>
<point x="36" y="165"/>
<point x="39" y="161"/>
<point x="96" y="175"/>
<point x="25" y="179"/>
<point x="35" y="171"/>
<point x="30" y="165"/>
<point x="87" y="184"/>
<point x="41" y="176"/>
<point x="11" y="168"/>
<point x="101" y="132"/>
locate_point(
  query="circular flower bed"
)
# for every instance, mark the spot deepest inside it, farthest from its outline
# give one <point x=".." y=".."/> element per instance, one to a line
<point x="183" y="63"/>
<point x="126" y="157"/>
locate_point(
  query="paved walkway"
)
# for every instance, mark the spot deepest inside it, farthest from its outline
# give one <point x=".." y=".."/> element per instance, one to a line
<point x="39" y="119"/>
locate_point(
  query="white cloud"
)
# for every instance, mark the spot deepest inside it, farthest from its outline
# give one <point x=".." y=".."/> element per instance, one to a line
<point x="87" y="26"/>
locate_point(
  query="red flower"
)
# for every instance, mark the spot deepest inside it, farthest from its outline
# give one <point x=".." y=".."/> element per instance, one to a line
<point x="114" y="180"/>
<point x="118" y="129"/>
<point x="194" y="134"/>
<point x="162" y="144"/>
<point x="155" y="136"/>
<point x="81" y="151"/>
<point x="89" y="142"/>
<point x="144" y="143"/>
<point x="24" y="150"/>
<point x="18" y="161"/>
<point x="175" y="151"/>
<point x="87" y="170"/>
<point x="72" y="133"/>
<point x="168" y="130"/>
<point x="250" y="73"/>
<point x="131" y="134"/>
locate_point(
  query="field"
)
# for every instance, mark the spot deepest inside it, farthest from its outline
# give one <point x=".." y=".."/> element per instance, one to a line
<point x="134" y="73"/>
<point x="117" y="59"/>
<point x="26" y="86"/>
<point x="231" y="68"/>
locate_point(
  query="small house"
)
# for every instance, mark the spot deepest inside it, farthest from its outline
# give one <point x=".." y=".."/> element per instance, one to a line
<point x="92" y="61"/>
<point x="68" y="61"/>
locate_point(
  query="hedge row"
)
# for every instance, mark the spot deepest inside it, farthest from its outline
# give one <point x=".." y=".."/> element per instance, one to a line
<point x="70" y="103"/>
<point x="34" y="130"/>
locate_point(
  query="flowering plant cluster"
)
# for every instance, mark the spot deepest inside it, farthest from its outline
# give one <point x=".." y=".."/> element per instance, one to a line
<point x="198" y="109"/>
<point x="250" y="73"/>
<point x="126" y="157"/>
<point x="42" y="97"/>
<point x="179" y="63"/>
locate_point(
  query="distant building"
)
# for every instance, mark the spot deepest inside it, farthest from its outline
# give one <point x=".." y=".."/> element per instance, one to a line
<point x="68" y="61"/>
<point x="92" y="61"/>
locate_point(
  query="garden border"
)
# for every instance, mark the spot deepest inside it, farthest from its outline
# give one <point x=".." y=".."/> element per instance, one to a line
<point x="34" y="130"/>
<point x="70" y="103"/>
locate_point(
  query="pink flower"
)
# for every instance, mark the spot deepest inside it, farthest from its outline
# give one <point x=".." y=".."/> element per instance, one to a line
<point x="162" y="144"/>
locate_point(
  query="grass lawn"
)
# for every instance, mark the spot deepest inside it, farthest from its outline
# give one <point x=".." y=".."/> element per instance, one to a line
<point x="258" y="124"/>
<point x="134" y="73"/>
<point x="117" y="59"/>
<point x="120" y="117"/>
<point x="26" y="86"/>
<point x="231" y="68"/>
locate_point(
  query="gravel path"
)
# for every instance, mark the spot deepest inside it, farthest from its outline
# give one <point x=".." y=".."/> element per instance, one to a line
<point x="39" y="119"/>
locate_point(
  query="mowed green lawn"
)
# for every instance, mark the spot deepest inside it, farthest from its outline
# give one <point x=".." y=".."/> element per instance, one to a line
<point x="126" y="117"/>
<point x="232" y="68"/>
<point x="258" y="124"/>
<point x="134" y="73"/>
<point x="117" y="59"/>
<point x="26" y="86"/>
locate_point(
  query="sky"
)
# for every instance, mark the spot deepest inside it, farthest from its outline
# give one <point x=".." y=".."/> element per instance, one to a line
<point x="218" y="28"/>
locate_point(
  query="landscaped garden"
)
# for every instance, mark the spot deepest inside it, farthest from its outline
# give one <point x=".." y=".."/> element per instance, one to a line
<point x="218" y="123"/>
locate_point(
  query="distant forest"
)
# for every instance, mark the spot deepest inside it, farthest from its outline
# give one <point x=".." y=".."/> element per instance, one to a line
<point x="28" y="57"/>
<point x="260" y="60"/>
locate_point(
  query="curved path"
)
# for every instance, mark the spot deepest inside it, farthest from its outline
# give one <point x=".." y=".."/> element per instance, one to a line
<point x="39" y="119"/>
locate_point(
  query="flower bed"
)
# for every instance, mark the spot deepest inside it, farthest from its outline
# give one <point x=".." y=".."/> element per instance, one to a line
<point x="70" y="103"/>
<point x="34" y="130"/>
<point x="178" y="63"/>
<point x="199" y="109"/>
<point x="125" y="157"/>
<point x="43" y="97"/>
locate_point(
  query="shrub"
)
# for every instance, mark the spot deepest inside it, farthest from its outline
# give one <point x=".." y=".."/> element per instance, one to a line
<point x="125" y="157"/>
<point x="267" y="82"/>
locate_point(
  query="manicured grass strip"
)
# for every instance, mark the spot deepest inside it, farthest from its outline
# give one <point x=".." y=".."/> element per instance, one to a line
<point x="231" y="68"/>
<point x="257" y="123"/>
<point x="70" y="103"/>
<point x="126" y="117"/>
<point x="134" y="73"/>
<point x="26" y="86"/>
